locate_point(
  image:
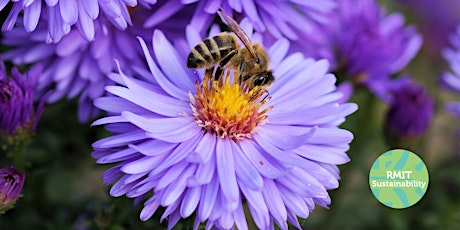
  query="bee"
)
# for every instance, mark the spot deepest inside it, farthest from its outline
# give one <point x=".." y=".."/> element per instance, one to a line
<point x="223" y="50"/>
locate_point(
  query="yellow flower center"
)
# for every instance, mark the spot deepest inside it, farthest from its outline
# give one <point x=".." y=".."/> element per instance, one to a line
<point x="228" y="109"/>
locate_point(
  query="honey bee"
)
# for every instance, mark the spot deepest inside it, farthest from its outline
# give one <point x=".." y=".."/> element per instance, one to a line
<point x="223" y="50"/>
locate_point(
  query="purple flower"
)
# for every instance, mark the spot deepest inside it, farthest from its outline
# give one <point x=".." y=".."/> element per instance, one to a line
<point x="437" y="19"/>
<point x="61" y="15"/>
<point x="206" y="147"/>
<point x="77" y="67"/>
<point x="365" y="43"/>
<point x="11" y="183"/>
<point x="451" y="80"/>
<point x="410" y="112"/>
<point x="291" y="19"/>
<point x="17" y="111"/>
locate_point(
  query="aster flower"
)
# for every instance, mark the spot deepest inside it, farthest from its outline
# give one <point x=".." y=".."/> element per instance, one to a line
<point x="289" y="19"/>
<point x="203" y="146"/>
<point x="75" y="66"/>
<point x="365" y="43"/>
<point x="410" y="113"/>
<point x="11" y="183"/>
<point x="61" y="15"/>
<point x="17" y="113"/>
<point x="437" y="19"/>
<point x="451" y="79"/>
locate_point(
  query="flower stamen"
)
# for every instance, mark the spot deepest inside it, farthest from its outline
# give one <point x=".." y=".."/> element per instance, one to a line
<point x="228" y="109"/>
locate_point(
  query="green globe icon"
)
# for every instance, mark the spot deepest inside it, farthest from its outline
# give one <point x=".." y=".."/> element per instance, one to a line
<point x="398" y="178"/>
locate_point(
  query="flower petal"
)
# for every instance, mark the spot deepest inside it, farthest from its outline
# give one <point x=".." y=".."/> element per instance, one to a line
<point x="246" y="173"/>
<point x="159" y="77"/>
<point x="204" y="150"/>
<point x="32" y="15"/>
<point x="190" y="201"/>
<point x="226" y="172"/>
<point x="208" y="199"/>
<point x="266" y="166"/>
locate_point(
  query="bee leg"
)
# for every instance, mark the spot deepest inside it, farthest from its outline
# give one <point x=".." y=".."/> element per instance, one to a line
<point x="256" y="94"/>
<point x="209" y="72"/>
<point x="218" y="73"/>
<point x="240" y="77"/>
<point x="227" y="58"/>
<point x="223" y="63"/>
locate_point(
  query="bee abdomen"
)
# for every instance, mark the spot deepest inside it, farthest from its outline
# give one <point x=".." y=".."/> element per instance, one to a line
<point x="210" y="51"/>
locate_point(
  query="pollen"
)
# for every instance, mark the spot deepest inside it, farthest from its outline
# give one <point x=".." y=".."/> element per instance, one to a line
<point x="227" y="109"/>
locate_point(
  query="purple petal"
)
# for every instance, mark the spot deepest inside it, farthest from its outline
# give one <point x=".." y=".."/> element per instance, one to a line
<point x="125" y="154"/>
<point x="69" y="11"/>
<point x="151" y="103"/>
<point x="239" y="218"/>
<point x="226" y="220"/>
<point x="32" y="15"/>
<point x="52" y="2"/>
<point x="85" y="22"/>
<point x="204" y="150"/>
<point x="275" y="203"/>
<point x="265" y="166"/>
<point x="190" y="201"/>
<point x="203" y="174"/>
<point x="175" y="190"/>
<point x="149" y="209"/>
<point x="331" y="136"/>
<point x="247" y="174"/>
<point x="111" y="9"/>
<point x="171" y="175"/>
<point x="12" y="17"/>
<point x="257" y="206"/>
<point x="164" y="127"/>
<point x="280" y="48"/>
<point x="3" y="4"/>
<point x="165" y="84"/>
<point x="285" y="141"/>
<point x="226" y="171"/>
<point x="90" y="7"/>
<point x="302" y="183"/>
<point x="164" y="12"/>
<point x="69" y="44"/>
<point x="283" y="156"/>
<point x="208" y="199"/>
<point x="177" y="155"/>
<point x="294" y="202"/>
<point x="171" y="63"/>
<point x="119" y="140"/>
<point x="323" y="153"/>
<point x="117" y="105"/>
<point x="154" y="147"/>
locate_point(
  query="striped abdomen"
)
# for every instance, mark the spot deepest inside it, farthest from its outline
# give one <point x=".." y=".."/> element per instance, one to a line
<point x="211" y="51"/>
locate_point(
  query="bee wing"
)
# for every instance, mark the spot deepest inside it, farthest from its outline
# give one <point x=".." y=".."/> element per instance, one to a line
<point x="233" y="25"/>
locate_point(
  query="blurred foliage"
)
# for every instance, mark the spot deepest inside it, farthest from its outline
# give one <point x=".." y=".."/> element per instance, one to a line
<point x="63" y="188"/>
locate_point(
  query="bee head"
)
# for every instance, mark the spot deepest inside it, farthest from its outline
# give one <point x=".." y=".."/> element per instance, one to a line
<point x="263" y="79"/>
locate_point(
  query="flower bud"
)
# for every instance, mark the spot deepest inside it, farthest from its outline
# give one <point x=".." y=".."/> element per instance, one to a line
<point x="11" y="183"/>
<point x="410" y="113"/>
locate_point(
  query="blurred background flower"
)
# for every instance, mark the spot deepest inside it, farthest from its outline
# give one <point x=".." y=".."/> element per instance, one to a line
<point x="61" y="15"/>
<point x="409" y="115"/>
<point x="75" y="66"/>
<point x="366" y="45"/>
<point x="451" y="79"/>
<point x="288" y="19"/>
<point x="436" y="19"/>
<point x="18" y="115"/>
<point x="16" y="101"/>
<point x="11" y="183"/>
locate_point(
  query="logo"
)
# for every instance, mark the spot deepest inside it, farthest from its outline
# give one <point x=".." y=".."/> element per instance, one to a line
<point x="398" y="178"/>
